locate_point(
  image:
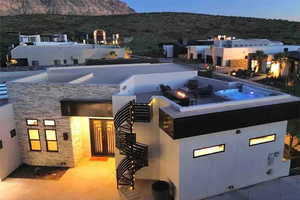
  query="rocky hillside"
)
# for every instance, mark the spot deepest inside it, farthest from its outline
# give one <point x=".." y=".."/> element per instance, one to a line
<point x="64" y="7"/>
<point x="147" y="30"/>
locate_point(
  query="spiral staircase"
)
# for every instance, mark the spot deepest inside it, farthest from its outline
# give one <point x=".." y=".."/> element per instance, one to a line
<point x="136" y="154"/>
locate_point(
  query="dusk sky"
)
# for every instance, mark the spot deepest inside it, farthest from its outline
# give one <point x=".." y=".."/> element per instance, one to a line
<point x="283" y="9"/>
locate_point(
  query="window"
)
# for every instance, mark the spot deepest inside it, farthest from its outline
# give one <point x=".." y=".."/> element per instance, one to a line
<point x="34" y="140"/>
<point x="65" y="62"/>
<point x="75" y="61"/>
<point x="57" y="62"/>
<point x="13" y="133"/>
<point x="51" y="140"/>
<point x="209" y="150"/>
<point x="48" y="122"/>
<point x="32" y="122"/>
<point x="262" y="140"/>
<point x="35" y="63"/>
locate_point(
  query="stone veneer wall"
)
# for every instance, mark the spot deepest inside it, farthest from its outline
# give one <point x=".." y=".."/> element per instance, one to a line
<point x="239" y="64"/>
<point x="42" y="101"/>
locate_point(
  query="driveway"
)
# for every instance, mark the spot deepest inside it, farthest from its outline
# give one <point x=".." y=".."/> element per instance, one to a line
<point x="91" y="180"/>
<point x="95" y="180"/>
<point x="287" y="188"/>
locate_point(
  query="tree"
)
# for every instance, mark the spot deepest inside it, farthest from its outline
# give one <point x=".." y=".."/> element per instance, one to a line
<point x="288" y="67"/>
<point x="112" y="55"/>
<point x="260" y="57"/>
<point x="293" y="130"/>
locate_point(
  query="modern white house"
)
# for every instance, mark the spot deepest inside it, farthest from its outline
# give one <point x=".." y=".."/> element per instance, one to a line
<point x="229" y="51"/>
<point x="25" y="39"/>
<point x="62" y="53"/>
<point x="159" y="121"/>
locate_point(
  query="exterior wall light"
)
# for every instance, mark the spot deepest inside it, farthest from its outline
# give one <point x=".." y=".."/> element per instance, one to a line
<point x="13" y="133"/>
<point x="66" y="136"/>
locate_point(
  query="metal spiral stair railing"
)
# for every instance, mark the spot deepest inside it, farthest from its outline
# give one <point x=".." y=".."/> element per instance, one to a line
<point x="136" y="154"/>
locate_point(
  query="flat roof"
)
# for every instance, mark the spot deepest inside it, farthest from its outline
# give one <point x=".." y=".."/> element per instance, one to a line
<point x="110" y="74"/>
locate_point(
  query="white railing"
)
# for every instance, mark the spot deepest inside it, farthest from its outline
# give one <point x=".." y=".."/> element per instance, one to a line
<point x="3" y="91"/>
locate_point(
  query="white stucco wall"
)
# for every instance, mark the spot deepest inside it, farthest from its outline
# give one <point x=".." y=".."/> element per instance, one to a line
<point x="150" y="82"/>
<point x="9" y="155"/>
<point x="147" y="133"/>
<point x="47" y="54"/>
<point x="195" y="50"/>
<point x="168" y="51"/>
<point x="237" y="53"/>
<point x="240" y="165"/>
<point x="170" y="161"/>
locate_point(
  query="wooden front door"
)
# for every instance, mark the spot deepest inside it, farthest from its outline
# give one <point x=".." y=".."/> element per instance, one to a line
<point x="102" y="137"/>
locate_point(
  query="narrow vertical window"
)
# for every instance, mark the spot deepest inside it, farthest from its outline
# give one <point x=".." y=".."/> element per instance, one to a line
<point x="34" y="140"/>
<point x="51" y="140"/>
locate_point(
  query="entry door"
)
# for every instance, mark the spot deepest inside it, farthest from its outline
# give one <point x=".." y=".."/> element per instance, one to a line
<point x="102" y="137"/>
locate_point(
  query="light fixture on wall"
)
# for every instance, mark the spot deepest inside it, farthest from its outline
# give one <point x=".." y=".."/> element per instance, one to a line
<point x="13" y="133"/>
<point x="66" y="136"/>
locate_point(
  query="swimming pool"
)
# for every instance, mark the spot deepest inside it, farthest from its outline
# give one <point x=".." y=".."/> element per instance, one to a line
<point x="235" y="94"/>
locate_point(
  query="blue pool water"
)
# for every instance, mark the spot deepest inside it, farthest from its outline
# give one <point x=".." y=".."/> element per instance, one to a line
<point x="234" y="94"/>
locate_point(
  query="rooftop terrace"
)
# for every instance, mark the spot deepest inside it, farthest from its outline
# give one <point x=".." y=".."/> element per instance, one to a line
<point x="207" y="105"/>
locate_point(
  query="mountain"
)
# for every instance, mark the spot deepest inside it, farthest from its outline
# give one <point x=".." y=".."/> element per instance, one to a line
<point x="64" y="7"/>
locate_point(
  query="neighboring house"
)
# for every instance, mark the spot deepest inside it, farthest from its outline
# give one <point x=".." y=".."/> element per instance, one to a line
<point x="206" y="136"/>
<point x="232" y="52"/>
<point x="196" y="49"/>
<point x="62" y="53"/>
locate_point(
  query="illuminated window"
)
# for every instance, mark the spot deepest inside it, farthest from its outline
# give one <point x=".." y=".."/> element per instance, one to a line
<point x="51" y="140"/>
<point x="209" y="150"/>
<point x="262" y="140"/>
<point x="32" y="122"/>
<point x="48" y="122"/>
<point x="34" y="140"/>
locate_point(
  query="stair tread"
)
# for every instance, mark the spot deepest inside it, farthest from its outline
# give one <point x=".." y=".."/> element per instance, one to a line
<point x="136" y="153"/>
